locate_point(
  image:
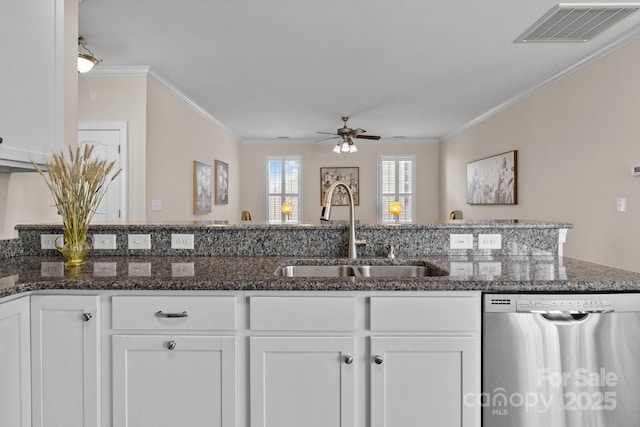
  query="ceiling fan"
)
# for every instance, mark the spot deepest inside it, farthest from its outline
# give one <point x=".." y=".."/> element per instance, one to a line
<point x="345" y="133"/>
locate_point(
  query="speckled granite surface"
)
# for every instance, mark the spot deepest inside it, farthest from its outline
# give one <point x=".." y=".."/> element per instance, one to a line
<point x="501" y="274"/>
<point x="519" y="237"/>
<point x="10" y="248"/>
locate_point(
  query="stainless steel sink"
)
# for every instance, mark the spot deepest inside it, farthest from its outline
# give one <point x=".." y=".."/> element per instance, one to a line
<point x="398" y="271"/>
<point x="307" y="270"/>
<point x="316" y="271"/>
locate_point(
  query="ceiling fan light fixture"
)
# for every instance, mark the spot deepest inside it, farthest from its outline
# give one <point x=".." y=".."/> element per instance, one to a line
<point x="345" y="147"/>
<point x="353" y="148"/>
<point x="86" y="60"/>
<point x="336" y="149"/>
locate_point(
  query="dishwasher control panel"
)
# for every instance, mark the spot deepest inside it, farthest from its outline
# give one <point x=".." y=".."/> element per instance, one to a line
<point x="569" y="306"/>
<point x="549" y="303"/>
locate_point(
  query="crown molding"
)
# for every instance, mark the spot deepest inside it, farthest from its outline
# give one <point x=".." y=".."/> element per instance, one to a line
<point x="151" y="73"/>
<point x="611" y="47"/>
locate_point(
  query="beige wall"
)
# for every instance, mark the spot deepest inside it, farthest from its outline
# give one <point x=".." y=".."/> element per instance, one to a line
<point x="176" y="136"/>
<point x="24" y="197"/>
<point x="577" y="140"/>
<point x="121" y="99"/>
<point x="320" y="155"/>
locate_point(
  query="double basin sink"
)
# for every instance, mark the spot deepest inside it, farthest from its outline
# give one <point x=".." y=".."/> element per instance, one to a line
<point x="364" y="270"/>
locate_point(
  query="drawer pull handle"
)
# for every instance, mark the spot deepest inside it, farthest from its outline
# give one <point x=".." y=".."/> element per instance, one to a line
<point x="348" y="359"/>
<point x="161" y="313"/>
<point x="378" y="360"/>
<point x="86" y="316"/>
<point x="171" y="345"/>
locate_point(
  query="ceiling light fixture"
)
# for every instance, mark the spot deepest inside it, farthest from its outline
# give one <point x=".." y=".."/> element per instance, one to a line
<point x="345" y="145"/>
<point x="86" y="61"/>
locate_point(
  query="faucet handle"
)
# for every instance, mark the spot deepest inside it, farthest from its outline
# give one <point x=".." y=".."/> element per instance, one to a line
<point x="391" y="252"/>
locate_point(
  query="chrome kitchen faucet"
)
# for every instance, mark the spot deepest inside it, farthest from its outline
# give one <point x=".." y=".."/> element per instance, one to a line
<point x="326" y="215"/>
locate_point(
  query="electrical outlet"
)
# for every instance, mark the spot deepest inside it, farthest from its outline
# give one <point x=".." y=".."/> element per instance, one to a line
<point x="48" y="241"/>
<point x="460" y="241"/>
<point x="182" y="241"/>
<point x="52" y="269"/>
<point x="492" y="268"/>
<point x="139" y="241"/>
<point x="182" y="269"/>
<point x="104" y="241"/>
<point x="489" y="241"/>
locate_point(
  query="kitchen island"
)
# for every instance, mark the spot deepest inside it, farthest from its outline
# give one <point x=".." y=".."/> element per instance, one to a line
<point x="213" y="336"/>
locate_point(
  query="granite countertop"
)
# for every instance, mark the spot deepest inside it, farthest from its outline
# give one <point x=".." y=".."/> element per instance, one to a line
<point x="477" y="273"/>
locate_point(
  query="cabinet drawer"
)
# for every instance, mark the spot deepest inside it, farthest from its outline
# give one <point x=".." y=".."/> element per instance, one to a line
<point x="170" y="313"/>
<point x="433" y="314"/>
<point x="302" y="313"/>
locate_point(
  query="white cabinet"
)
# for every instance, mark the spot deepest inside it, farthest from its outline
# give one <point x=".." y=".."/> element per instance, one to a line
<point x="179" y="367"/>
<point x="31" y="37"/>
<point x="302" y="381"/>
<point x="414" y="379"/>
<point x="65" y="360"/>
<point x="15" y="364"/>
<point x="174" y="380"/>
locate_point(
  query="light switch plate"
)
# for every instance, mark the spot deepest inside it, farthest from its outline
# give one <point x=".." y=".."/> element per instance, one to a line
<point x="460" y="241"/>
<point x="461" y="269"/>
<point x="104" y="241"/>
<point x="48" y="241"/>
<point x="139" y="241"/>
<point x="140" y="269"/>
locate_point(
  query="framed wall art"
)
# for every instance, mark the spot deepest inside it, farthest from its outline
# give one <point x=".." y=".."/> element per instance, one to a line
<point x="222" y="183"/>
<point x="202" y="188"/>
<point x="493" y="180"/>
<point x="349" y="176"/>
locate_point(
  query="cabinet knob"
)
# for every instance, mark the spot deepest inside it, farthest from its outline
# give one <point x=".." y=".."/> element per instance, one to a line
<point x="348" y="359"/>
<point x="0" y="140"/>
<point x="86" y="316"/>
<point x="171" y="345"/>
<point x="378" y="360"/>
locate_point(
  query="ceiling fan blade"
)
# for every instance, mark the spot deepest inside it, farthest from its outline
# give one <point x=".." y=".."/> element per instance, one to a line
<point x="327" y="133"/>
<point x="325" y="139"/>
<point x="376" y="137"/>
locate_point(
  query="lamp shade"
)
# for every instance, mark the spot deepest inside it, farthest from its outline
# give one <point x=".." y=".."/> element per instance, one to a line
<point x="86" y="62"/>
<point x="395" y="208"/>
<point x="287" y="208"/>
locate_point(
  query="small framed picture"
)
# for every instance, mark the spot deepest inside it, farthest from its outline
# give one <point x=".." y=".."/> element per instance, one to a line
<point x="202" y="188"/>
<point x="349" y="176"/>
<point x="222" y="183"/>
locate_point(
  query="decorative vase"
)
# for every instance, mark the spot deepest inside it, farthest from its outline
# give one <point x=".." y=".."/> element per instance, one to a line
<point x="74" y="251"/>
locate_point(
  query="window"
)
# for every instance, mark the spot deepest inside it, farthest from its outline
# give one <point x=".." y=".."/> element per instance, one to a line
<point x="284" y="184"/>
<point x="396" y="176"/>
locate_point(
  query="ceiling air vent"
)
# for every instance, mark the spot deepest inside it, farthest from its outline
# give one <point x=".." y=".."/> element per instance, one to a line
<point x="577" y="22"/>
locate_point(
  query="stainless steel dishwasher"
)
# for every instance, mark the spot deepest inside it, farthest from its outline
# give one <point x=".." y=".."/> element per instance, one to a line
<point x="562" y="360"/>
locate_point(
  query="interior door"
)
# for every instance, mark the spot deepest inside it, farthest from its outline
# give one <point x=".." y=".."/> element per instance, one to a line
<point x="108" y="145"/>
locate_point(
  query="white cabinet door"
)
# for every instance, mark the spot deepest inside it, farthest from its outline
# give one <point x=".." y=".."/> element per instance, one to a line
<point x="418" y="381"/>
<point x="15" y="364"/>
<point x="65" y="360"/>
<point x="31" y="32"/>
<point x="169" y="381"/>
<point x="302" y="381"/>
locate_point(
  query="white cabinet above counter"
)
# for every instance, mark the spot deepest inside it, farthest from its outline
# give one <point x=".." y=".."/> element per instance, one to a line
<point x="31" y="99"/>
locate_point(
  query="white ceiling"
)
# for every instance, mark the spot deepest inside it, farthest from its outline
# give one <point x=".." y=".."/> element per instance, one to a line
<point x="266" y="69"/>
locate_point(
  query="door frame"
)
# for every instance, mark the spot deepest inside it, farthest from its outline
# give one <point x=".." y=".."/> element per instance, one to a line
<point x="124" y="158"/>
